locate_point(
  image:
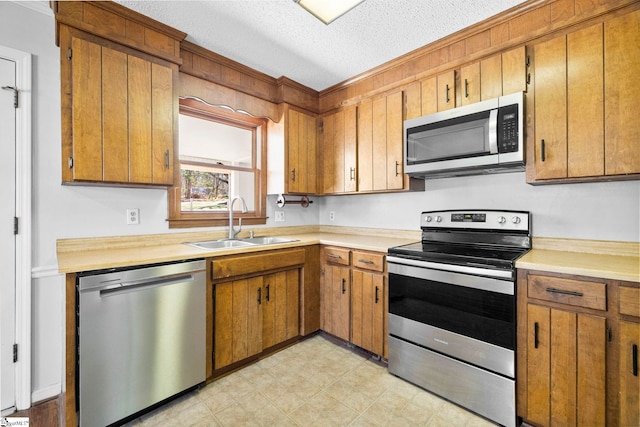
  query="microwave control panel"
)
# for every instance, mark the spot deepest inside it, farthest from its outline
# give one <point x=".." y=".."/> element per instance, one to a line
<point x="508" y="129"/>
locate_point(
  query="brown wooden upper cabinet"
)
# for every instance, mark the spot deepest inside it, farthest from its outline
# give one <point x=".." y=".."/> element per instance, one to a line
<point x="380" y="160"/>
<point x="118" y="113"/>
<point x="586" y="100"/>
<point x="338" y="153"/>
<point x="494" y="76"/>
<point x="301" y="143"/>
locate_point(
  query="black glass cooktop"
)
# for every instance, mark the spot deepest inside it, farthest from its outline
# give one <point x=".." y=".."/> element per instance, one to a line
<point x="496" y="257"/>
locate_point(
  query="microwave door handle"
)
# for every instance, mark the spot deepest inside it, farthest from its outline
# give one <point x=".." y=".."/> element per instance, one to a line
<point x="493" y="131"/>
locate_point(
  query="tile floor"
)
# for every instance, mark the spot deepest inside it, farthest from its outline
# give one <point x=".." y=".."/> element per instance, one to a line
<point x="318" y="382"/>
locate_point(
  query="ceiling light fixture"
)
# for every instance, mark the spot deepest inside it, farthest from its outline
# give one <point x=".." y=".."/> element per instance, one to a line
<point x="328" y="10"/>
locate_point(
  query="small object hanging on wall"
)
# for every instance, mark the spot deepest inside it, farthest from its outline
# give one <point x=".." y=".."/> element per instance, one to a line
<point x="304" y="201"/>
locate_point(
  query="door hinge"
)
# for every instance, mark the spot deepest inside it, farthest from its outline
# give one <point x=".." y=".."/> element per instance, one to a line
<point x="15" y="353"/>
<point x="70" y="162"/>
<point x="69" y="54"/>
<point x="16" y="223"/>
<point x="15" y="94"/>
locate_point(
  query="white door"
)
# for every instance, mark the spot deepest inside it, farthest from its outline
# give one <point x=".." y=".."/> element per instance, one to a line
<point x="7" y="236"/>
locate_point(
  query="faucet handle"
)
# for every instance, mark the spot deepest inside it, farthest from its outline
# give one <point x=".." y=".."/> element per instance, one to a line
<point x="251" y="234"/>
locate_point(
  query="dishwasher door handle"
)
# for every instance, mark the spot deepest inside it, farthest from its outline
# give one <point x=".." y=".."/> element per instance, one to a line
<point x="145" y="284"/>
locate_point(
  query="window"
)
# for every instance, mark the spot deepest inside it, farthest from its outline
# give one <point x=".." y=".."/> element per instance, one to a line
<point x="222" y="154"/>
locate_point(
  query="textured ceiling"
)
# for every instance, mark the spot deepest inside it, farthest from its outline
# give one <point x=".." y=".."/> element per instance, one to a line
<point x="280" y="38"/>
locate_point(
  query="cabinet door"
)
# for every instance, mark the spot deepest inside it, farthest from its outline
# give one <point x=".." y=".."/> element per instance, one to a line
<point x="514" y="71"/>
<point x="585" y="103"/>
<point x="122" y="117"/>
<point x="470" y="83"/>
<point x="335" y="298"/>
<point x="367" y="311"/>
<point x="394" y="166"/>
<point x="429" y="95"/>
<point x="237" y="320"/>
<point x="365" y="145"/>
<point x="162" y="119"/>
<point x="566" y="361"/>
<point x="622" y="94"/>
<point x="301" y="143"/>
<point x="551" y="109"/>
<point x="491" y="81"/>
<point x="379" y="142"/>
<point x="339" y="156"/>
<point x="86" y="111"/>
<point x="281" y="303"/>
<point x="446" y="83"/>
<point x="629" y="375"/>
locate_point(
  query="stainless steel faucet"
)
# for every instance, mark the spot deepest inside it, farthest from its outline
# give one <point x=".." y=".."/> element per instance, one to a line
<point x="232" y="231"/>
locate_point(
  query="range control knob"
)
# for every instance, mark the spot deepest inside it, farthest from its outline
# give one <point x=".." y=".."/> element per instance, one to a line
<point x="501" y="220"/>
<point x="516" y="220"/>
<point x="428" y="218"/>
<point x="438" y="218"/>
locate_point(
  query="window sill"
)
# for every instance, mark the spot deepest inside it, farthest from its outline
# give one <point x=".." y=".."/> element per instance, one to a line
<point x="213" y="222"/>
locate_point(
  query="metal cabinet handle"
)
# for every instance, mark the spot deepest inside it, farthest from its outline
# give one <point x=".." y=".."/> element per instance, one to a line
<point x="352" y="174"/>
<point x="334" y="256"/>
<point x="447" y="97"/>
<point x="397" y="165"/>
<point x="542" y="151"/>
<point x="259" y="295"/>
<point x="344" y="288"/>
<point x="635" y="359"/>
<point x="267" y="296"/>
<point x="366" y="261"/>
<point x="166" y="159"/>
<point x="563" y="292"/>
<point x="466" y="88"/>
<point x="293" y="175"/>
<point x="377" y="297"/>
<point x="536" y="341"/>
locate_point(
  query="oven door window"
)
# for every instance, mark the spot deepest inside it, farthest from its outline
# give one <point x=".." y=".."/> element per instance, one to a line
<point x="484" y="315"/>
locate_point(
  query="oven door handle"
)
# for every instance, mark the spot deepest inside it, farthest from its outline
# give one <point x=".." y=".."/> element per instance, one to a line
<point x="470" y="277"/>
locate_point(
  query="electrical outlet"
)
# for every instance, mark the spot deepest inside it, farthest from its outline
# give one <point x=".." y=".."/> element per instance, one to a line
<point x="332" y="216"/>
<point x="133" y="216"/>
<point x="279" y="216"/>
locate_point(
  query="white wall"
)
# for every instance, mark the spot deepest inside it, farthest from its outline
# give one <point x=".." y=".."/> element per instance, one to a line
<point x="592" y="211"/>
<point x="73" y="211"/>
<point x="598" y="211"/>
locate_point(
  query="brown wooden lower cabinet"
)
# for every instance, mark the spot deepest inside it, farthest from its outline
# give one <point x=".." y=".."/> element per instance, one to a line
<point x="629" y="375"/>
<point x="566" y="367"/>
<point x="353" y="297"/>
<point x="577" y="364"/>
<point x="335" y="297"/>
<point x="367" y="311"/>
<point x="256" y="303"/>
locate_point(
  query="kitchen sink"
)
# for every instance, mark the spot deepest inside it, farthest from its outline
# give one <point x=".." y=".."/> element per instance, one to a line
<point x="267" y="240"/>
<point x="239" y="243"/>
<point x="220" y="244"/>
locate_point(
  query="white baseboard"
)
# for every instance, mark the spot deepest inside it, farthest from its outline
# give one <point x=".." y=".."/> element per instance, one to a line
<point x="45" y="393"/>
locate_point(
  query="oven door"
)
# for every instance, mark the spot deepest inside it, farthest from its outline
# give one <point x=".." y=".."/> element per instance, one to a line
<point x="462" y="314"/>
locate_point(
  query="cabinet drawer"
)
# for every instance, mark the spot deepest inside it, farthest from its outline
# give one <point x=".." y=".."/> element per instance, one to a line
<point x="568" y="291"/>
<point x="223" y="268"/>
<point x="336" y="256"/>
<point x="368" y="261"/>
<point x="630" y="301"/>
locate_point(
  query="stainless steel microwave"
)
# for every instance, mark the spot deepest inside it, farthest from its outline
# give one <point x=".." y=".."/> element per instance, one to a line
<point x="485" y="137"/>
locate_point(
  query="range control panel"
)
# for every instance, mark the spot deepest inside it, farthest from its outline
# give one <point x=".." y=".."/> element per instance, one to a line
<point x="476" y="219"/>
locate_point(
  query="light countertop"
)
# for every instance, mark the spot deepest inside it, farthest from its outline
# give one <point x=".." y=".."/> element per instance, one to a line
<point x="600" y="259"/>
<point x="593" y="258"/>
<point x="93" y="255"/>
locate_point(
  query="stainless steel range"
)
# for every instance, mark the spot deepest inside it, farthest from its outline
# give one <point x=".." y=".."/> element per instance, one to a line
<point x="452" y="308"/>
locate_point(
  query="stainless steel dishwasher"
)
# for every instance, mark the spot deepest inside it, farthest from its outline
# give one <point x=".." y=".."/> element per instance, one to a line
<point x="141" y="338"/>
